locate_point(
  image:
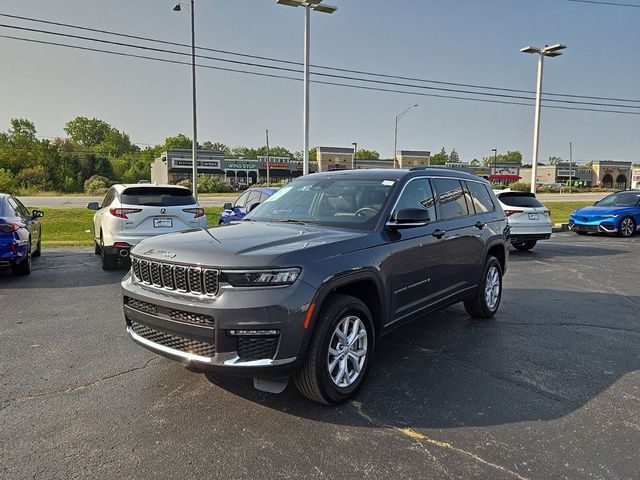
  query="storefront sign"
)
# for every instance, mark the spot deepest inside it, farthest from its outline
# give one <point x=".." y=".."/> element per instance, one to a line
<point x="183" y="164"/>
<point x="274" y="162"/>
<point x="241" y="165"/>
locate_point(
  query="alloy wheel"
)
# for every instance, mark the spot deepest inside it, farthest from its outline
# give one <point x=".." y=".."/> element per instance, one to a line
<point x="492" y="287"/>
<point x="627" y="227"/>
<point x="347" y="351"/>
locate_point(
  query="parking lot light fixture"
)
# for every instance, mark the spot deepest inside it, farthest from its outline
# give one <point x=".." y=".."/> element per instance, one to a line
<point x="395" y="142"/>
<point x="546" y="51"/>
<point x="316" y="6"/>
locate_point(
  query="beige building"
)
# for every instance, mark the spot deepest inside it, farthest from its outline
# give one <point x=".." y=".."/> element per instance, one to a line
<point x="334" y="158"/>
<point x="635" y="178"/>
<point x="413" y="158"/>
<point x="612" y="174"/>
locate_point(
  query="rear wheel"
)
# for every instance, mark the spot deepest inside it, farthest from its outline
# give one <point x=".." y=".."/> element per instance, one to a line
<point x="340" y="352"/>
<point x="24" y="267"/>
<point x="96" y="248"/>
<point x="524" y="246"/>
<point x="627" y="227"/>
<point x="109" y="261"/>
<point x="484" y="304"/>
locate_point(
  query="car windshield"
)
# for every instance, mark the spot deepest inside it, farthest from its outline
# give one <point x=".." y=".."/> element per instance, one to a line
<point x="519" y="199"/>
<point x="157" y="196"/>
<point x="625" y="199"/>
<point x="337" y="202"/>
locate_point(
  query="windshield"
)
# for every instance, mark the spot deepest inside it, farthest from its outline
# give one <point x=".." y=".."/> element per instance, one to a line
<point x="348" y="203"/>
<point x="626" y="199"/>
<point x="157" y="196"/>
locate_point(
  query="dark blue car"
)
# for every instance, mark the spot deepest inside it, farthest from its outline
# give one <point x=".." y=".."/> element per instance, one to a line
<point x="244" y="203"/>
<point x="616" y="213"/>
<point x="19" y="235"/>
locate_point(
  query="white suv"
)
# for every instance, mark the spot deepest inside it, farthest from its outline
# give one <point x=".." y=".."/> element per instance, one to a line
<point x="529" y="219"/>
<point x="130" y="213"/>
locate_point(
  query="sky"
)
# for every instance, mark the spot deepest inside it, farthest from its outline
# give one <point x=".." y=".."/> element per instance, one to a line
<point x="462" y="41"/>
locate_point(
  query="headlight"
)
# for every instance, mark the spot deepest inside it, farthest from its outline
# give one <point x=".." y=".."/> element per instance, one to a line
<point x="261" y="278"/>
<point x="609" y="216"/>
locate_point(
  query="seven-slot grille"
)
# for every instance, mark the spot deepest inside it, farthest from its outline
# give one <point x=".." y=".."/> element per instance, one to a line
<point x="195" y="280"/>
<point x="173" y="341"/>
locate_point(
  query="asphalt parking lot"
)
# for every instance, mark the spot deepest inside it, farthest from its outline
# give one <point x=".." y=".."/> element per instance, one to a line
<point x="548" y="389"/>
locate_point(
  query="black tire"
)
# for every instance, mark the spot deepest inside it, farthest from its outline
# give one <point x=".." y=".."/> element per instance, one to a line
<point x="24" y="267"/>
<point x="627" y="227"/>
<point x="109" y="262"/>
<point x="38" y="251"/>
<point x="478" y="306"/>
<point x="524" y="246"/>
<point x="313" y="379"/>
<point x="96" y="248"/>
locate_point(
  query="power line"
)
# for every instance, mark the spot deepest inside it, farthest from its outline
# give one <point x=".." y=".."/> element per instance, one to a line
<point x="340" y="77"/>
<point x="615" y="4"/>
<point x="289" y="62"/>
<point x="262" y="74"/>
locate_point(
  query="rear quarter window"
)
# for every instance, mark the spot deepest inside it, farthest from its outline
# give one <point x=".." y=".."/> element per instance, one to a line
<point x="481" y="198"/>
<point x="519" y="199"/>
<point x="157" y="196"/>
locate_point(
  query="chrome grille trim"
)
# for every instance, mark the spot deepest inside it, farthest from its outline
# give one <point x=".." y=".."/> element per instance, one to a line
<point x="169" y="276"/>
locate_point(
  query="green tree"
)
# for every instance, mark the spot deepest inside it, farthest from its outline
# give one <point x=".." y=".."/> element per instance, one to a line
<point x="221" y="147"/>
<point x="440" y="158"/>
<point x="363" y="154"/>
<point x="554" y="160"/>
<point x="87" y="132"/>
<point x="454" y="157"/>
<point x="179" y="141"/>
<point x="510" y="157"/>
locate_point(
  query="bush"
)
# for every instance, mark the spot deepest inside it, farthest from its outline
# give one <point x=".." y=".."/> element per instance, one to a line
<point x="33" y="177"/>
<point x="96" y="185"/>
<point x="520" y="187"/>
<point x="8" y="183"/>
<point x="207" y="184"/>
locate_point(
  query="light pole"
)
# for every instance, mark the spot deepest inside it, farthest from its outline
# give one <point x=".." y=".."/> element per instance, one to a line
<point x="308" y="6"/>
<point x="495" y="159"/>
<point x="547" y="51"/>
<point x="395" y="141"/>
<point x="355" y="152"/>
<point x="194" y="145"/>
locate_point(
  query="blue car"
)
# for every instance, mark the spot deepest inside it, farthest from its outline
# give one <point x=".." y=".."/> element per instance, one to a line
<point x="244" y="204"/>
<point x="19" y="235"/>
<point x="617" y="213"/>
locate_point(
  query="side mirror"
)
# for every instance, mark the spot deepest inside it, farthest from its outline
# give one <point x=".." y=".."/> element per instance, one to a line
<point x="37" y="213"/>
<point x="227" y="206"/>
<point x="93" y="206"/>
<point x="252" y="206"/>
<point x="410" y="217"/>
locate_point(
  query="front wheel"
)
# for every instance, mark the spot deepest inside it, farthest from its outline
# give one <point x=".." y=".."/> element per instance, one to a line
<point x="627" y="227"/>
<point x="484" y="304"/>
<point x="38" y="250"/>
<point x="524" y="246"/>
<point x="340" y="352"/>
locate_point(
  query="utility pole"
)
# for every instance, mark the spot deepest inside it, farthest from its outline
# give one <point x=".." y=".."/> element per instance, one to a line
<point x="355" y="152"/>
<point x="570" y="165"/>
<point x="268" y="161"/>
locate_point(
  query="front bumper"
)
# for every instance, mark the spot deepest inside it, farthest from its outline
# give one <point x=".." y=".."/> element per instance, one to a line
<point x="195" y="330"/>
<point x="599" y="226"/>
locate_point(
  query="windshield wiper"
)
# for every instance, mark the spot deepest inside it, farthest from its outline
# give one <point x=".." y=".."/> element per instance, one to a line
<point x="291" y="220"/>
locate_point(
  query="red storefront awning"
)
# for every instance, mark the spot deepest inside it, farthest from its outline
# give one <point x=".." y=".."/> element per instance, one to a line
<point x="504" y="177"/>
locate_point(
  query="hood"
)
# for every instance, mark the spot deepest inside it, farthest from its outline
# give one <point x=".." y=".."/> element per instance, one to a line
<point x="245" y="244"/>
<point x="599" y="211"/>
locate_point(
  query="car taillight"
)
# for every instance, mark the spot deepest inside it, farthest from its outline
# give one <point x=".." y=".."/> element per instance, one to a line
<point x="8" y="227"/>
<point x="508" y="213"/>
<point x="197" y="212"/>
<point x="548" y="212"/>
<point x="123" y="212"/>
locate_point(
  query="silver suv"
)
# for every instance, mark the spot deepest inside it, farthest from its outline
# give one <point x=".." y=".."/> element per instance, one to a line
<point x="305" y="285"/>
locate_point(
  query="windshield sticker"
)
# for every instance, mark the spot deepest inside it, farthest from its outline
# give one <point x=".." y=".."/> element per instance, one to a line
<point x="388" y="183"/>
<point x="278" y="194"/>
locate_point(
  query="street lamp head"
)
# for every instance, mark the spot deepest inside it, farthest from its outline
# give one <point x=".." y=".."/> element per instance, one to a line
<point x="324" y="8"/>
<point x="553" y="48"/>
<point x="177" y="8"/>
<point x="530" y="50"/>
<point x="312" y="4"/>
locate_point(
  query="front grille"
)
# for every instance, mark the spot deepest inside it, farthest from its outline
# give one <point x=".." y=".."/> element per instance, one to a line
<point x="140" y="305"/>
<point x="190" y="317"/>
<point x="195" y="280"/>
<point x="256" y="348"/>
<point x="172" y="341"/>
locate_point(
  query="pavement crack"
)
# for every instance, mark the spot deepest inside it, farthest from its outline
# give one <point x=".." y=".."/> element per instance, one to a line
<point x="83" y="386"/>
<point x="423" y="440"/>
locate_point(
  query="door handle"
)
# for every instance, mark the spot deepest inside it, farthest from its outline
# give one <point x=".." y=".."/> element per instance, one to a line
<point x="480" y="225"/>
<point x="439" y="233"/>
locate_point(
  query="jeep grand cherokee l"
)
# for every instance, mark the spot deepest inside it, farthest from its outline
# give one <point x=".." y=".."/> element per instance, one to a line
<point x="305" y="285"/>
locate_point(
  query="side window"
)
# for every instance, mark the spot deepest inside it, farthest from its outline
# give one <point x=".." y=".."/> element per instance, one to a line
<point x="108" y="198"/>
<point x="242" y="200"/>
<point x="418" y="194"/>
<point x="451" y="198"/>
<point x="254" y="197"/>
<point x="20" y="208"/>
<point x="13" y="208"/>
<point x="263" y="197"/>
<point x="481" y="197"/>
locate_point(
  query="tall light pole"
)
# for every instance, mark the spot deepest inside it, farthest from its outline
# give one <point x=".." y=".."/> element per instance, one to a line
<point x="547" y="51"/>
<point x="308" y="6"/>
<point x="395" y="142"/>
<point x="194" y="144"/>
<point x="495" y="159"/>
<point x="355" y="152"/>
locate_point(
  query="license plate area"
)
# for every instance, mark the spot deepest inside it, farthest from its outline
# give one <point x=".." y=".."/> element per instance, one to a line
<point x="533" y="216"/>
<point x="162" y="222"/>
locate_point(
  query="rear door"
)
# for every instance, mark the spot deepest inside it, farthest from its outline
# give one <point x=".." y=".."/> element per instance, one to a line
<point x="156" y="210"/>
<point x="464" y="241"/>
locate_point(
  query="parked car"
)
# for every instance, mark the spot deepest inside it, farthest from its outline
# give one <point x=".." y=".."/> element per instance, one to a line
<point x="307" y="282"/>
<point x="130" y="213"/>
<point x="20" y="235"/>
<point x="233" y="212"/>
<point x="616" y="213"/>
<point x="529" y="219"/>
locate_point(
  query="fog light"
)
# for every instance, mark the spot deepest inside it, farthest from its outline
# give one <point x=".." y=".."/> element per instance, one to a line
<point x="244" y="333"/>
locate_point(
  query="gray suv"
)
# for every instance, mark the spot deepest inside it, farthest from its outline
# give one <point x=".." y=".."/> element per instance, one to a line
<point x="306" y="283"/>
